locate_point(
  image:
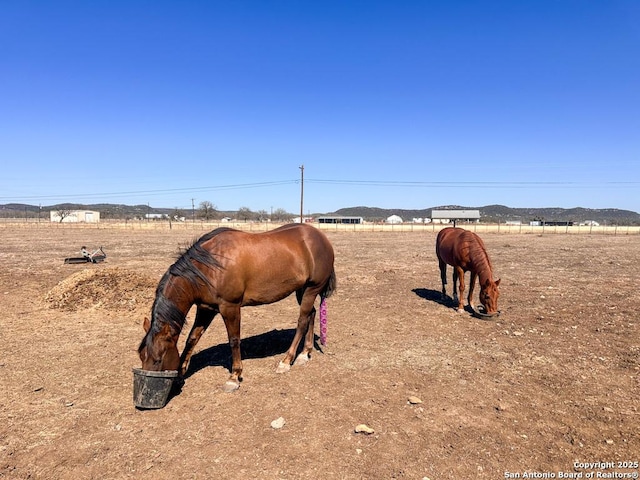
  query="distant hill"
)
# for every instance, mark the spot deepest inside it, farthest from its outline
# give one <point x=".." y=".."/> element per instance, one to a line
<point x="107" y="210"/>
<point x="501" y="213"/>
<point x="488" y="213"/>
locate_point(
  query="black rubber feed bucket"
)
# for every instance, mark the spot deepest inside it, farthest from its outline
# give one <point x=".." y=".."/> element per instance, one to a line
<point x="480" y="312"/>
<point x="151" y="389"/>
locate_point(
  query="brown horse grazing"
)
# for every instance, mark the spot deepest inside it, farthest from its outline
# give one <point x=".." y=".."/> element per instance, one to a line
<point x="465" y="251"/>
<point x="228" y="269"/>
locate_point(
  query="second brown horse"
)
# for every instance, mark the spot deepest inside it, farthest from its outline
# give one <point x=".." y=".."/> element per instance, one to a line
<point x="465" y="251"/>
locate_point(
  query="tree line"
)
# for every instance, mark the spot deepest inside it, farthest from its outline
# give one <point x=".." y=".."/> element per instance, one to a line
<point x="208" y="211"/>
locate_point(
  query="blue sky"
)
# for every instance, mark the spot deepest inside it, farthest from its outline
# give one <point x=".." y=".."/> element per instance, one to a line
<point x="407" y="104"/>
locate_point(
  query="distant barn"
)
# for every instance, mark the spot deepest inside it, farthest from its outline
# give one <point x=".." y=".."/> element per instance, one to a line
<point x="340" y="219"/>
<point x="547" y="223"/>
<point x="156" y="216"/>
<point x="74" y="216"/>
<point x="455" y="216"/>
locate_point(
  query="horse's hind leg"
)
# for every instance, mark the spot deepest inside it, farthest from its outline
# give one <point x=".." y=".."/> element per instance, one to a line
<point x="454" y="294"/>
<point x="305" y="354"/>
<point x="443" y="277"/>
<point x="204" y="317"/>
<point x="458" y="275"/>
<point x="306" y="299"/>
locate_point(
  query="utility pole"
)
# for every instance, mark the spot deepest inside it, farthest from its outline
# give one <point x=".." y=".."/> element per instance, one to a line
<point x="301" y="191"/>
<point x="193" y="211"/>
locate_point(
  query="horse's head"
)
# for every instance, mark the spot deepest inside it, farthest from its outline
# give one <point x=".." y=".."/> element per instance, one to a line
<point x="489" y="293"/>
<point x="159" y="348"/>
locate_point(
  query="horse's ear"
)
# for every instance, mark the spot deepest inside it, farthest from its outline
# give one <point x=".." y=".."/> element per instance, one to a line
<point x="146" y="324"/>
<point x="497" y="282"/>
<point x="167" y="332"/>
<point x="142" y="351"/>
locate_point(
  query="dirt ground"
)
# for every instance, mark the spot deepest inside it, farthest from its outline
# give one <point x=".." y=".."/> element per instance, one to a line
<point x="551" y="386"/>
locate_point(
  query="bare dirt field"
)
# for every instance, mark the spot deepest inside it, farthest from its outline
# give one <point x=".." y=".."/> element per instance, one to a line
<point x="550" y="386"/>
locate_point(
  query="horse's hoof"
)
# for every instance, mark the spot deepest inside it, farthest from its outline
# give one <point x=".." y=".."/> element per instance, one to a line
<point x="283" y="367"/>
<point x="302" y="359"/>
<point x="460" y="310"/>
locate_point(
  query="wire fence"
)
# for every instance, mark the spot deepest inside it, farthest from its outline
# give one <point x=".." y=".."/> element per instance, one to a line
<point x="202" y="226"/>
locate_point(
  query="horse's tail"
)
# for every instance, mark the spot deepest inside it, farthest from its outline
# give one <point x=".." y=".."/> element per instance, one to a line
<point x="330" y="286"/>
<point x="327" y="291"/>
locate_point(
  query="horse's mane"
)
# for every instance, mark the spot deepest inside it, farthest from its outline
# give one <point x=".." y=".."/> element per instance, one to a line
<point x="185" y="268"/>
<point x="479" y="256"/>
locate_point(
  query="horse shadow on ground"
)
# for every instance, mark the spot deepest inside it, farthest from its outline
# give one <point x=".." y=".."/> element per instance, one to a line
<point x="264" y="345"/>
<point x="435" y="296"/>
<point x="268" y="344"/>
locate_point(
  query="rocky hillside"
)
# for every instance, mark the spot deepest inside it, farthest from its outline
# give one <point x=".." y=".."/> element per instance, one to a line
<point x="501" y="213"/>
<point x="488" y="213"/>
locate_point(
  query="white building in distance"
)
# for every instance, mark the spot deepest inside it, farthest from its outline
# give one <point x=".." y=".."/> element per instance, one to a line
<point x="394" y="219"/>
<point x="446" y="216"/>
<point x="74" y="216"/>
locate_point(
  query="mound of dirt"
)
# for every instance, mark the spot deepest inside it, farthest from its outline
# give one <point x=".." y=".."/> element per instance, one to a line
<point x="111" y="288"/>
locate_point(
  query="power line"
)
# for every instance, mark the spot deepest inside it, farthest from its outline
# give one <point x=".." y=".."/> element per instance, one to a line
<point x="369" y="183"/>
<point x="475" y="184"/>
<point x="157" y="192"/>
<point x="301" y="191"/>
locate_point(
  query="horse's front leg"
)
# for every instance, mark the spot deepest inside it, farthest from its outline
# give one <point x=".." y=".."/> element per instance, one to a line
<point x="472" y="286"/>
<point x="204" y="317"/>
<point x="458" y="274"/>
<point x="231" y="316"/>
<point x="305" y="326"/>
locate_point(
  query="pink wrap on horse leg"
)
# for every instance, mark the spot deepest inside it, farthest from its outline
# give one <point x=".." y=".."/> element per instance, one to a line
<point x="323" y="321"/>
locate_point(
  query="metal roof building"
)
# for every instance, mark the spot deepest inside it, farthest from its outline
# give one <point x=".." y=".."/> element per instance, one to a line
<point x="340" y="219"/>
<point x="456" y="215"/>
